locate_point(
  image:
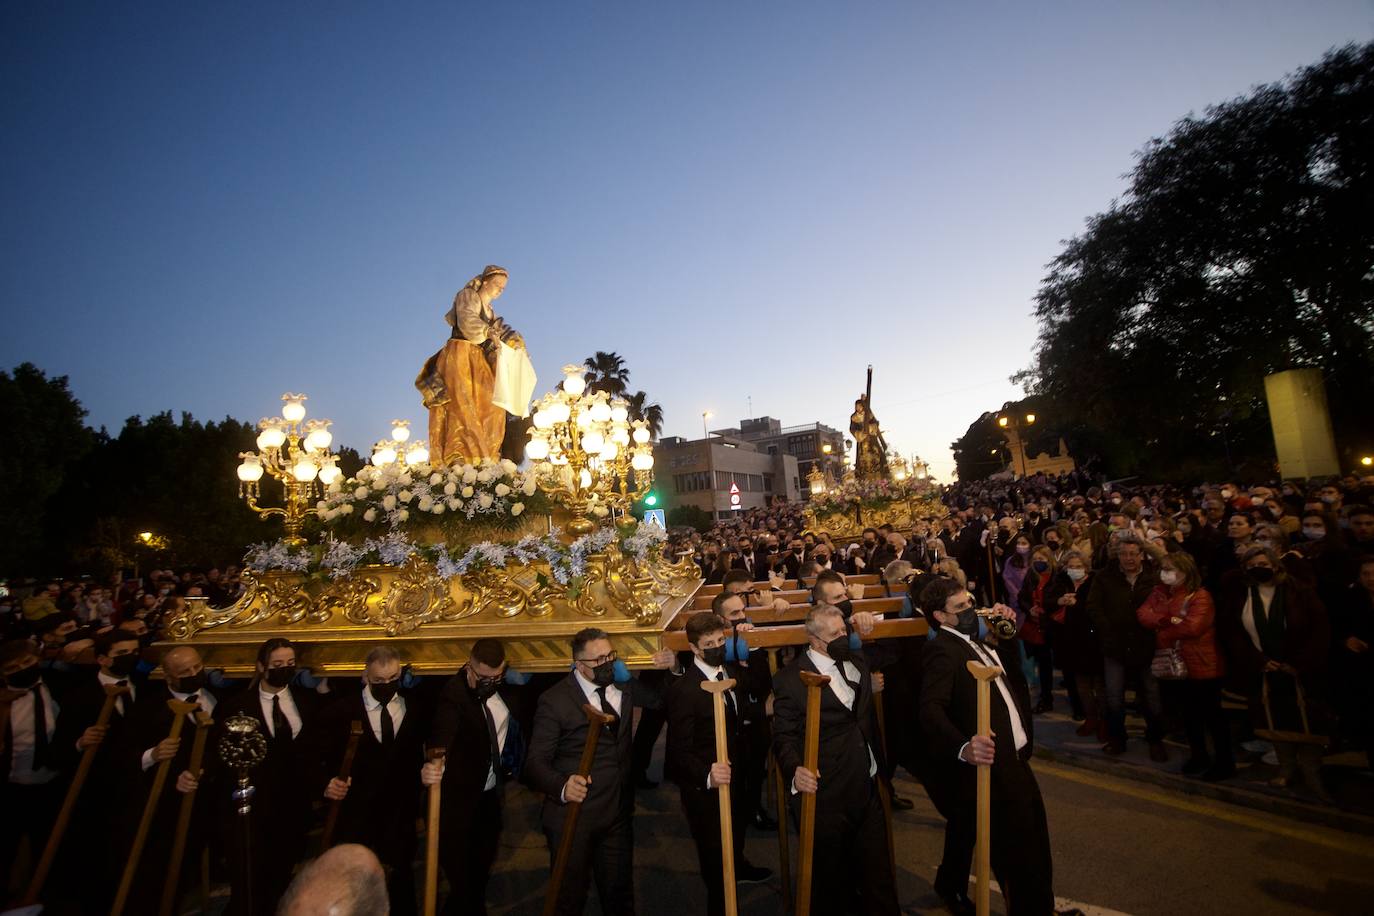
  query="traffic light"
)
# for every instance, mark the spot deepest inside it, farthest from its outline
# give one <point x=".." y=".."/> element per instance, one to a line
<point x="651" y="499"/>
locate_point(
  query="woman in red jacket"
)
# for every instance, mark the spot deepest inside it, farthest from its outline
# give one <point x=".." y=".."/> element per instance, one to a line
<point x="1181" y="613"/>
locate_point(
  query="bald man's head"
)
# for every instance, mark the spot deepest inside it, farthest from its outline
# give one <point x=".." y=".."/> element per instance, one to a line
<point x="345" y="881"/>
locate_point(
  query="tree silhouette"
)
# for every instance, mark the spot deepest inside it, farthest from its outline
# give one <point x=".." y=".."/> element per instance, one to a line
<point x="651" y="414"/>
<point x="606" y="372"/>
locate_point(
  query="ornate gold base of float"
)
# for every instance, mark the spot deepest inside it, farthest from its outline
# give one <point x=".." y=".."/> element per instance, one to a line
<point x="432" y="621"/>
<point x="901" y="514"/>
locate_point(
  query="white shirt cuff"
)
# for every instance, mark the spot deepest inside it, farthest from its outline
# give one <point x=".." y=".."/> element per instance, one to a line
<point x="960" y="755"/>
<point x="147" y="761"/>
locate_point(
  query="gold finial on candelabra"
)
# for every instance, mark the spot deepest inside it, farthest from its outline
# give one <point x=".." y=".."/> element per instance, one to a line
<point x="587" y="453"/>
<point x="296" y="452"/>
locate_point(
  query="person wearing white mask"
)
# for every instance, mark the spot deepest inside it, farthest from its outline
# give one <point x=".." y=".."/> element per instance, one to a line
<point x="1076" y="648"/>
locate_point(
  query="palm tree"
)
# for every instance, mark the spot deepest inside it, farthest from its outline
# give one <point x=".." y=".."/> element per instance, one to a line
<point x="651" y="414"/>
<point x="606" y="372"/>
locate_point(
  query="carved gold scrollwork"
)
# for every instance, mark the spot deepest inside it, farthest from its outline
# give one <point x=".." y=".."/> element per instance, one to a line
<point x="347" y="595"/>
<point x="417" y="594"/>
<point x="493" y="589"/>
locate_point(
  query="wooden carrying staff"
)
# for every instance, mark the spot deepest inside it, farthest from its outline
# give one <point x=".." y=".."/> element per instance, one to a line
<point x="432" y="839"/>
<point x="595" y="720"/>
<point x="64" y="816"/>
<point x="331" y="820"/>
<point x="188" y="803"/>
<point x="727" y="833"/>
<point x="884" y="789"/>
<point x="179" y="712"/>
<point x="811" y="753"/>
<point x="982" y="859"/>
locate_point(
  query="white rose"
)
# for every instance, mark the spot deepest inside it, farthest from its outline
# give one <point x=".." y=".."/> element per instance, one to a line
<point x="454" y="504"/>
<point x="360" y="493"/>
<point x="502" y="489"/>
<point x="346" y="509"/>
<point x="517" y="508"/>
<point x="467" y="492"/>
<point x="450" y="488"/>
<point x="600" y="511"/>
<point x="507" y="466"/>
<point x="425" y="504"/>
<point x="321" y="505"/>
<point x="402" y="515"/>
<point x="469" y="474"/>
<point x="531" y="484"/>
<point x="405" y="496"/>
<point x="435" y="479"/>
<point x="438" y="509"/>
<point x="370" y="515"/>
<point x="484" y="500"/>
<point x="388" y="502"/>
<point x="486" y="475"/>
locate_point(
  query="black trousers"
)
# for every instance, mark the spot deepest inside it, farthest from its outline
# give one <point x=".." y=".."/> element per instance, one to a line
<point x="703" y="819"/>
<point x="1199" y="703"/>
<point x="469" y="835"/>
<point x="29" y="811"/>
<point x="853" y="870"/>
<point x="651" y="722"/>
<point x="960" y="829"/>
<point x="603" y="852"/>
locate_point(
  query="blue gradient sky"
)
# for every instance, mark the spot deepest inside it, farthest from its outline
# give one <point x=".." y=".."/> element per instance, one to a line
<point x="205" y="205"/>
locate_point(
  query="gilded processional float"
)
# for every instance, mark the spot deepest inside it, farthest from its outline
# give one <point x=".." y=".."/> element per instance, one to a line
<point x="438" y="543"/>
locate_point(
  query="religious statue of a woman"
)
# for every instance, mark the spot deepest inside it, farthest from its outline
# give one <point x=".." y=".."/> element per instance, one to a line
<point x="870" y="451"/>
<point x="481" y="374"/>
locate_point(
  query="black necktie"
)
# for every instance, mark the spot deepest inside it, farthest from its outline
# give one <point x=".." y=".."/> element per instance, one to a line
<point x="844" y="676"/>
<point x="606" y="707"/>
<point x="119" y="701"/>
<point x="281" y="729"/>
<point x="388" y="726"/>
<point x="495" y="745"/>
<point x="41" y="753"/>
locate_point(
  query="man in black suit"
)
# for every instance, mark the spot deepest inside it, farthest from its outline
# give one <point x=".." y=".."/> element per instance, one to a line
<point x="854" y="868"/>
<point x="184" y="680"/>
<point x="691" y="762"/>
<point x="290" y="777"/>
<point x="477" y="709"/>
<point x="106" y="806"/>
<point x="604" y="846"/>
<point x="34" y="765"/>
<point x="380" y="800"/>
<point x="949" y="721"/>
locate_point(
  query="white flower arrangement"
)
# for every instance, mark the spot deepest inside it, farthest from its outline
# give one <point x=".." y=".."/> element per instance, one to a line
<point x="384" y="498"/>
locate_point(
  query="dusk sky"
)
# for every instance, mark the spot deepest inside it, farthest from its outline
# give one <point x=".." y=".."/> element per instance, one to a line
<point x="208" y="204"/>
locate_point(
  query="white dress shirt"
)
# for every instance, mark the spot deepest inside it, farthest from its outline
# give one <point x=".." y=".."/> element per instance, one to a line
<point x="712" y="674"/>
<point x="288" y="709"/>
<point x="613" y="693"/>
<point x="500" y="717"/>
<point x="202" y="698"/>
<point x="1018" y="730"/>
<point x="826" y="665"/>
<point x="396" y="708"/>
<point x="1247" y="614"/>
<point x="22" y="735"/>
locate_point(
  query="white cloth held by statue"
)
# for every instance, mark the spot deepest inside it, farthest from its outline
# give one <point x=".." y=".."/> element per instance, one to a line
<point x="514" y="382"/>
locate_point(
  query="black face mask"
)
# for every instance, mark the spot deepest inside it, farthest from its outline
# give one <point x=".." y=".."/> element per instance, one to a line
<point x="713" y="657"/>
<point x="603" y="675"/>
<point x="1040" y="566"/>
<point x="846" y="607"/>
<point x="123" y="665"/>
<point x="280" y="677"/>
<point x="486" y="687"/>
<point x="384" y="693"/>
<point x="968" y="623"/>
<point x="838" y="649"/>
<point x="191" y="682"/>
<point x="25" y="678"/>
<point x="1261" y="574"/>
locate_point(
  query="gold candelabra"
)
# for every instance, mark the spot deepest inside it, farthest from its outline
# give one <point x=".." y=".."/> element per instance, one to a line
<point x="588" y="454"/>
<point x="296" y="452"/>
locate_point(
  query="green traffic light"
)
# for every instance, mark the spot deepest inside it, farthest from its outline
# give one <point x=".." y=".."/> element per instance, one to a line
<point x="651" y="499"/>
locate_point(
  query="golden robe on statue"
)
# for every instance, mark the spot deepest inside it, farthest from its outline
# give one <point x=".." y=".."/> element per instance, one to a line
<point x="459" y="384"/>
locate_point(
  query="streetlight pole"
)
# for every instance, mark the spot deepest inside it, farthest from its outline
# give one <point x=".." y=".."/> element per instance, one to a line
<point x="710" y="463"/>
<point x="1011" y="427"/>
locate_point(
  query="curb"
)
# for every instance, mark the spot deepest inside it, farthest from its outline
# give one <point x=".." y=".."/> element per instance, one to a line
<point x="1296" y="809"/>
